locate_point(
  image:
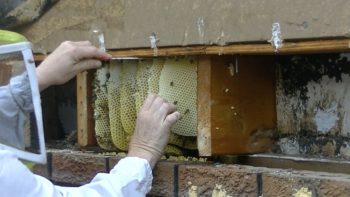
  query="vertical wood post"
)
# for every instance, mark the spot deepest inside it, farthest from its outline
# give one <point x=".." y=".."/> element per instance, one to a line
<point x="203" y="105"/>
<point x="85" y="122"/>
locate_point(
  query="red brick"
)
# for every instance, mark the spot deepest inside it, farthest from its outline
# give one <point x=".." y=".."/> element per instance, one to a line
<point x="339" y="188"/>
<point x="72" y="167"/>
<point x="163" y="179"/>
<point x="288" y="183"/>
<point x="234" y="179"/>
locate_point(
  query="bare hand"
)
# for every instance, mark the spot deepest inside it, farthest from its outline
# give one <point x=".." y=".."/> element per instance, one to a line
<point x="67" y="60"/>
<point x="152" y="129"/>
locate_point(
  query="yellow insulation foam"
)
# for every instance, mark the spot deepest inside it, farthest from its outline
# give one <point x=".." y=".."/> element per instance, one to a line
<point x="103" y="135"/>
<point x="127" y="96"/>
<point x="119" y="137"/>
<point x="142" y="76"/>
<point x="153" y="80"/>
<point x="178" y="84"/>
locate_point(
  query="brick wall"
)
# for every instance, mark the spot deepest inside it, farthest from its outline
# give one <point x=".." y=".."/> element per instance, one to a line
<point x="172" y="178"/>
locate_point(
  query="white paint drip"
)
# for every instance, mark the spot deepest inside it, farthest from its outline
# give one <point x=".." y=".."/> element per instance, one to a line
<point x="154" y="41"/>
<point x="101" y="39"/>
<point x="325" y="120"/>
<point x="200" y="28"/>
<point x="276" y="38"/>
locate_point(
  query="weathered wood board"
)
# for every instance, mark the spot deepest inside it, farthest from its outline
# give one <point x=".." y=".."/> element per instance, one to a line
<point x="128" y="24"/>
<point x="236" y="101"/>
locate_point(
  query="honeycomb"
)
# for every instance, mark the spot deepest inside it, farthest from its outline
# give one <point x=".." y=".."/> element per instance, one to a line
<point x="127" y="96"/>
<point x="122" y="87"/>
<point x="172" y="150"/>
<point x="175" y="139"/>
<point x="103" y="135"/>
<point x="178" y="84"/>
<point x="119" y="137"/>
<point x="142" y="76"/>
<point x="155" y="70"/>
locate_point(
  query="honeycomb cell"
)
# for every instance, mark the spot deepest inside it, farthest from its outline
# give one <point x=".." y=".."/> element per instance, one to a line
<point x="127" y="95"/>
<point x="142" y="76"/>
<point x="153" y="80"/>
<point x="176" y="139"/>
<point x="172" y="150"/>
<point x="178" y="84"/>
<point x="119" y="137"/>
<point x="101" y="114"/>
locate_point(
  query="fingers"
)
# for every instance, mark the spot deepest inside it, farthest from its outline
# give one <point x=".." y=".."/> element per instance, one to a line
<point x="87" y="64"/>
<point x="148" y="102"/>
<point x="88" y="52"/>
<point x="165" y="109"/>
<point x="83" y="50"/>
<point x="157" y="103"/>
<point x="171" y="119"/>
<point x="82" y="43"/>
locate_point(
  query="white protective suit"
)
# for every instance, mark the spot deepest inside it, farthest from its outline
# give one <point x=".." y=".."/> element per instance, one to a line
<point x="132" y="176"/>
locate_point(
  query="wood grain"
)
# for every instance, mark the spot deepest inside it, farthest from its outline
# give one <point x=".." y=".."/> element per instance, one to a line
<point x="243" y="108"/>
<point x="203" y="105"/>
<point x="299" y="47"/>
<point x="85" y="119"/>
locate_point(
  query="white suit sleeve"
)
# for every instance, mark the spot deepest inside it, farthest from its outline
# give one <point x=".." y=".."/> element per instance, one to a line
<point x="15" y="102"/>
<point x="130" y="177"/>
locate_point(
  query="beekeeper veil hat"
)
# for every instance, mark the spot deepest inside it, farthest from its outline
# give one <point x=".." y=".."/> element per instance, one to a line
<point x="21" y="128"/>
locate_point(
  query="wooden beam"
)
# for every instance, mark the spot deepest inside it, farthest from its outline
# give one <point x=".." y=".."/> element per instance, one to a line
<point x="300" y="47"/>
<point x="85" y="119"/>
<point x="203" y="110"/>
<point x="242" y="102"/>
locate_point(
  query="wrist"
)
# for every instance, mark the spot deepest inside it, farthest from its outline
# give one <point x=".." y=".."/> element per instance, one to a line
<point x="151" y="157"/>
<point x="42" y="82"/>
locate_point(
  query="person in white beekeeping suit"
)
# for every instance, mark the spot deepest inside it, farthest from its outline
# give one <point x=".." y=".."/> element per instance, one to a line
<point x="21" y="129"/>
